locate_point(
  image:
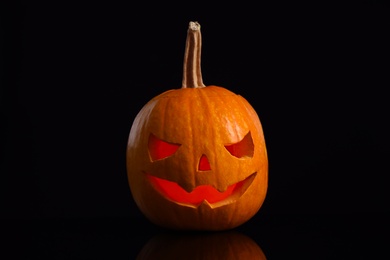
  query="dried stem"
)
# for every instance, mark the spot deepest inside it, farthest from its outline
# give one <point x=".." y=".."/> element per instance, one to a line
<point x="192" y="74"/>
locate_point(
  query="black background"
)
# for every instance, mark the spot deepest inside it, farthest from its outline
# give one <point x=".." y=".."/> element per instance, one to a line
<point x="74" y="75"/>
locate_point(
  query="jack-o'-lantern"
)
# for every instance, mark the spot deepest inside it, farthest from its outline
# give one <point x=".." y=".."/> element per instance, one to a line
<point x="196" y="156"/>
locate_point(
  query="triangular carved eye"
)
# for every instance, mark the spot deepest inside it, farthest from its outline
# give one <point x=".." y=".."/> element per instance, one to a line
<point x="159" y="149"/>
<point x="244" y="148"/>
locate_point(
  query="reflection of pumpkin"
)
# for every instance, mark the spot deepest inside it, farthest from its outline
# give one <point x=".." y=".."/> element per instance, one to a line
<point x="221" y="245"/>
<point x="196" y="156"/>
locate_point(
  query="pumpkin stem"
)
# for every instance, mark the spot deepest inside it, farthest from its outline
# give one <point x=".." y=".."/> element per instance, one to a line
<point x="192" y="74"/>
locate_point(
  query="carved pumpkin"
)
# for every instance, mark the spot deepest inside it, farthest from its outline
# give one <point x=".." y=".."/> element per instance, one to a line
<point x="216" y="245"/>
<point x="196" y="156"/>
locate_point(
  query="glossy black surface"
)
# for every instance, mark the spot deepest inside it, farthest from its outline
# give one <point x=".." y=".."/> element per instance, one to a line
<point x="348" y="236"/>
<point x="74" y="75"/>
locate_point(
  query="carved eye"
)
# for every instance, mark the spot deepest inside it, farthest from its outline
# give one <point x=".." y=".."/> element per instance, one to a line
<point x="244" y="148"/>
<point x="159" y="149"/>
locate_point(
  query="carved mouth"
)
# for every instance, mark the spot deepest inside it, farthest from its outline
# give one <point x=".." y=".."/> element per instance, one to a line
<point x="174" y="192"/>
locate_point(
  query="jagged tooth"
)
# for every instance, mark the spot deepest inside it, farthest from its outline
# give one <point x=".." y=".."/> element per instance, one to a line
<point x="204" y="203"/>
<point x="187" y="186"/>
<point x="222" y="189"/>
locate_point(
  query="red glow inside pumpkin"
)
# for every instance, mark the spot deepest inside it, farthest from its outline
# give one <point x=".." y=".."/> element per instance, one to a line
<point x="204" y="164"/>
<point x="204" y="192"/>
<point x="245" y="147"/>
<point x="159" y="149"/>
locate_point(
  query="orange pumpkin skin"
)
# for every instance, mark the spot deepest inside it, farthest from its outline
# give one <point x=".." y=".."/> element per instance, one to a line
<point x="202" y="121"/>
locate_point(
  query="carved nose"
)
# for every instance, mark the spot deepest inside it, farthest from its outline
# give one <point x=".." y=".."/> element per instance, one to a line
<point x="204" y="164"/>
